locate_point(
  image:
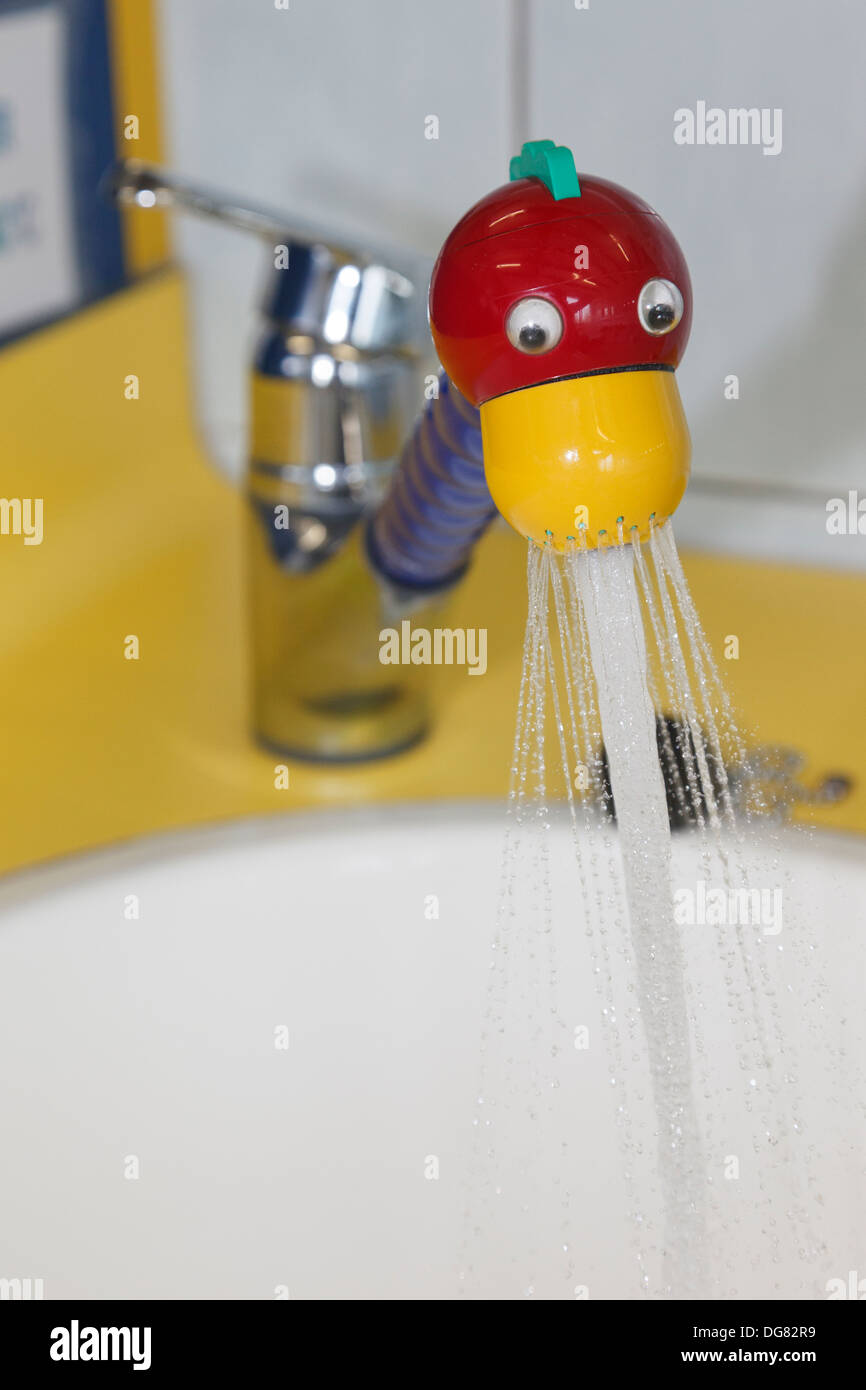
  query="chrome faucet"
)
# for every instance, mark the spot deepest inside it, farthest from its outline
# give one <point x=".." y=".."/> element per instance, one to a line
<point x="335" y="388"/>
<point x="335" y="392"/>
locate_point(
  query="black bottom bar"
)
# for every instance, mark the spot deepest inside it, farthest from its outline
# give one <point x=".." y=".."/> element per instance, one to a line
<point x="215" y="1339"/>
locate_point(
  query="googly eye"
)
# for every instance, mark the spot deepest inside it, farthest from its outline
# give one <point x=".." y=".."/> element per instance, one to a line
<point x="659" y="307"/>
<point x="533" y="325"/>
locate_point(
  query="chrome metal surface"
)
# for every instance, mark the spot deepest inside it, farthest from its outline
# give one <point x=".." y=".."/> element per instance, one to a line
<point x="134" y="182"/>
<point x="369" y="296"/>
<point x="334" y="393"/>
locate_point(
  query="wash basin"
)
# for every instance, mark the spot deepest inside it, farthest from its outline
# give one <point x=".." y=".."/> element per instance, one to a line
<point x="241" y="1062"/>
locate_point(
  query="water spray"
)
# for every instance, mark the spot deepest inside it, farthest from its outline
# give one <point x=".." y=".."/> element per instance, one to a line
<point x="560" y="306"/>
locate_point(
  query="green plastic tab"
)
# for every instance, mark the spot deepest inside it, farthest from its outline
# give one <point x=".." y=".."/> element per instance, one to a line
<point x="553" y="164"/>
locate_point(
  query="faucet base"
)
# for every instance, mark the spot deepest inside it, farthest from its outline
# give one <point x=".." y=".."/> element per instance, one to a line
<point x="344" y="729"/>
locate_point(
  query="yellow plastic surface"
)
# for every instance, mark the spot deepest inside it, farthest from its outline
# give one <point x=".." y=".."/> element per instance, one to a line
<point x="135" y="92"/>
<point x="142" y="538"/>
<point x="571" y="461"/>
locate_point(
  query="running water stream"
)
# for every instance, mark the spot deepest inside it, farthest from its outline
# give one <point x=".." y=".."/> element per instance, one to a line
<point x="619" y="692"/>
<point x="605" y="585"/>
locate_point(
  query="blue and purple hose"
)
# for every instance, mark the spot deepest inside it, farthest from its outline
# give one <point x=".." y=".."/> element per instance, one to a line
<point x="438" y="504"/>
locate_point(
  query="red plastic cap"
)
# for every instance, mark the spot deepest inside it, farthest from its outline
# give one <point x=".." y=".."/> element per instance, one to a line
<point x="590" y="256"/>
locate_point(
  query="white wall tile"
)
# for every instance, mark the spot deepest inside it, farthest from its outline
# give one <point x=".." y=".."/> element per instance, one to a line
<point x="321" y="109"/>
<point x="776" y="245"/>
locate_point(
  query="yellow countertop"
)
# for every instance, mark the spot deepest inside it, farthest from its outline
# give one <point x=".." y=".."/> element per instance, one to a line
<point x="142" y="537"/>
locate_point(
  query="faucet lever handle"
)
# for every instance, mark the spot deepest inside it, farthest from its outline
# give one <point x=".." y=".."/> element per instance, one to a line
<point x="361" y="295"/>
<point x="132" y="182"/>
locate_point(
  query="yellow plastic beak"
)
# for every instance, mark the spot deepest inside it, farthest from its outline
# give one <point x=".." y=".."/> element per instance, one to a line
<point x="585" y="459"/>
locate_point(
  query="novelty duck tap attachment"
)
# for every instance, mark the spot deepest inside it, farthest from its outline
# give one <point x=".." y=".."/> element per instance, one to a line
<point x="560" y="306"/>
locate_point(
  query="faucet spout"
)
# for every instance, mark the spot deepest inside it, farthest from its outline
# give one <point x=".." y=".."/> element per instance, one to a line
<point x="439" y="504"/>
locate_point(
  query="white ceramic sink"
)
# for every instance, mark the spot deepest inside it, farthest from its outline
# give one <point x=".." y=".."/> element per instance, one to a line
<point x="264" y="1168"/>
